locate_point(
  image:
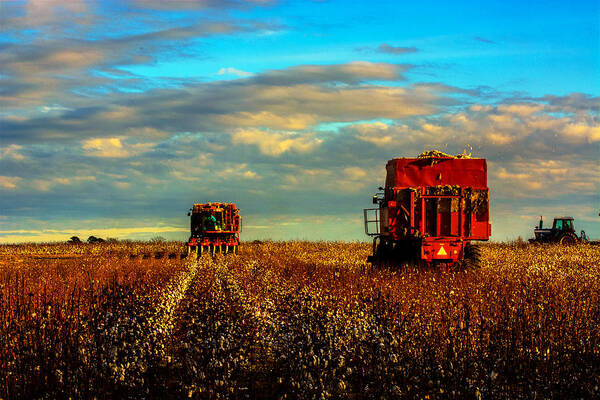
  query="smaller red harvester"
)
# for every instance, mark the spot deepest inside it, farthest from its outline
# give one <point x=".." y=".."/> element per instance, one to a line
<point x="215" y="227"/>
<point x="431" y="209"/>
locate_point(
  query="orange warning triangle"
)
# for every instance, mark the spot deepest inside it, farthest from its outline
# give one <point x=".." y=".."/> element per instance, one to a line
<point x="442" y="252"/>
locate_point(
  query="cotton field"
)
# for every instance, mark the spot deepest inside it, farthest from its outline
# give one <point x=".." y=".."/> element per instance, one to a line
<point x="296" y="320"/>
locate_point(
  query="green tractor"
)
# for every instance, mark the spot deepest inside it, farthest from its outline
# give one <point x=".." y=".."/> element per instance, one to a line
<point x="562" y="231"/>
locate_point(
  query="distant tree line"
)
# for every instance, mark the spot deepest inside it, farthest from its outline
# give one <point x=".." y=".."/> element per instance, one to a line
<point x="94" y="239"/>
<point x="91" y="239"/>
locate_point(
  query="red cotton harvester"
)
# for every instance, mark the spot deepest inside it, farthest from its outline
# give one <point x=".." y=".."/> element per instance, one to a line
<point x="430" y="210"/>
<point x="215" y="227"/>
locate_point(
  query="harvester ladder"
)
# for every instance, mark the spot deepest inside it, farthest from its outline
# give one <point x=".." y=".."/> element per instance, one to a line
<point x="374" y="214"/>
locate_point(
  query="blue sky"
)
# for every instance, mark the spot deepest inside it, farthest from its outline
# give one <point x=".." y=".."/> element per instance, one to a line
<point x="116" y="116"/>
<point x="489" y="44"/>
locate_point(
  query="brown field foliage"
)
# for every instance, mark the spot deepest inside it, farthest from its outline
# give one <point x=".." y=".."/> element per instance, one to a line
<point x="296" y="319"/>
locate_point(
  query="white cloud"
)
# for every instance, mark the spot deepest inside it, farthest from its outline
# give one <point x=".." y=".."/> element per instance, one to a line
<point x="522" y="109"/>
<point x="346" y="179"/>
<point x="544" y="178"/>
<point x="520" y="127"/>
<point x="233" y="71"/>
<point x="377" y="133"/>
<point x="237" y="171"/>
<point x="105" y="147"/>
<point x="11" y="151"/>
<point x="45" y="11"/>
<point x="44" y="185"/>
<point x="113" y="147"/>
<point x="192" y="168"/>
<point x="286" y="121"/>
<point x="122" y="185"/>
<point x="53" y="108"/>
<point x="9" y="182"/>
<point x="276" y="143"/>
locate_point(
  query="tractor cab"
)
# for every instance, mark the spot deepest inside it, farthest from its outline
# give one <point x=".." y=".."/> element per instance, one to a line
<point x="563" y="224"/>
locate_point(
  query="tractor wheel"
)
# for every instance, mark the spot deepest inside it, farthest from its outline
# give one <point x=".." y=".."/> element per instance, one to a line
<point x="472" y="256"/>
<point x="567" y="239"/>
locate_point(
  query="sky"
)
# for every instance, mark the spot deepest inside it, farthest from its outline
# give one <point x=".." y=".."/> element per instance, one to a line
<point x="117" y="116"/>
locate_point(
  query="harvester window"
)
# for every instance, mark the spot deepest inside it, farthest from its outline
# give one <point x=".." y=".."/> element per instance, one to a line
<point x="208" y="222"/>
<point x="197" y="224"/>
<point x="219" y="221"/>
<point x="479" y="203"/>
<point x="431" y="214"/>
<point x="445" y="218"/>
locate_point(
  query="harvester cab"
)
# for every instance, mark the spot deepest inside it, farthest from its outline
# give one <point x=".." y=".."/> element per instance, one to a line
<point x="214" y="227"/>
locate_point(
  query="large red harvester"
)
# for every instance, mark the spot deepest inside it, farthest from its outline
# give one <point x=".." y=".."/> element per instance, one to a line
<point x="215" y="227"/>
<point x="430" y="210"/>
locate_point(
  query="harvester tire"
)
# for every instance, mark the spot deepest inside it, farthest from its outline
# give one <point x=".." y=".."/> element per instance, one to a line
<point x="382" y="256"/>
<point x="472" y="256"/>
<point x="568" y="238"/>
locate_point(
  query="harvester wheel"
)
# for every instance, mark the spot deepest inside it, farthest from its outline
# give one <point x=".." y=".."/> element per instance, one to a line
<point x="568" y="238"/>
<point x="383" y="256"/>
<point x="472" y="256"/>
